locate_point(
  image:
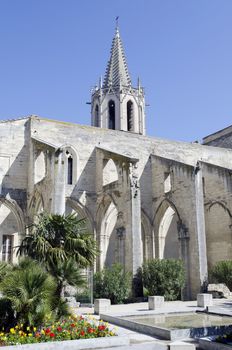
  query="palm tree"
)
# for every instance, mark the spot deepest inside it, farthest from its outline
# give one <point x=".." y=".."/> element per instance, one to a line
<point x="62" y="244"/>
<point x="67" y="273"/>
<point x="5" y="268"/>
<point x="30" y="290"/>
<point x="56" y="238"/>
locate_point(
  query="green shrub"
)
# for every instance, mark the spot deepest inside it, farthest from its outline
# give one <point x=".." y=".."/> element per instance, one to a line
<point x="222" y="273"/>
<point x="112" y="283"/>
<point x="164" y="277"/>
<point x="28" y="293"/>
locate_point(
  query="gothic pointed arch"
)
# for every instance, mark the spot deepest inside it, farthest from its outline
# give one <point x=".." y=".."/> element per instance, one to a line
<point x="130" y="115"/>
<point x="36" y="205"/>
<point x="218" y="219"/>
<point x="111" y="114"/>
<point x="12" y="228"/>
<point x="108" y="236"/>
<point x="74" y="206"/>
<point x="71" y="161"/>
<point x="96" y="115"/>
<point x="165" y="223"/>
<point x="146" y="237"/>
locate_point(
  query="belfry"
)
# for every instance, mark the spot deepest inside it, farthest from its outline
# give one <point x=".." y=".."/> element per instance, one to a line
<point x="115" y="104"/>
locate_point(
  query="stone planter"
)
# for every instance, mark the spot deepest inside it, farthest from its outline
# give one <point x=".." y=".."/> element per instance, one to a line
<point x="93" y="343"/>
<point x="210" y="344"/>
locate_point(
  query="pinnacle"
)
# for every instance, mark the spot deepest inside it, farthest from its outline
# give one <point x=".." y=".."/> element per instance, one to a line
<point x="117" y="71"/>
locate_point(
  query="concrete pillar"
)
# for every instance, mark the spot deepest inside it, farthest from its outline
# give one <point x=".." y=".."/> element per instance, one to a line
<point x="59" y="184"/>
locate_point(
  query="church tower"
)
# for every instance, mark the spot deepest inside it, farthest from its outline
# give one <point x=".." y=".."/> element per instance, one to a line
<point x="115" y="104"/>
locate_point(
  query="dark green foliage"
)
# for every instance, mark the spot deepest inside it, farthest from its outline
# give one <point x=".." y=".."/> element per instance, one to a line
<point x="29" y="291"/>
<point x="137" y="284"/>
<point x="164" y="277"/>
<point x="63" y="246"/>
<point x="112" y="283"/>
<point x="7" y="314"/>
<point x="4" y="269"/>
<point x="222" y="273"/>
<point x="56" y="238"/>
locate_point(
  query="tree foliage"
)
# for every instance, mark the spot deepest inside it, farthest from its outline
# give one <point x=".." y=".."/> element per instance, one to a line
<point x="164" y="277"/>
<point x="30" y="292"/>
<point x="56" y="238"/>
<point x="112" y="283"/>
<point x="222" y="273"/>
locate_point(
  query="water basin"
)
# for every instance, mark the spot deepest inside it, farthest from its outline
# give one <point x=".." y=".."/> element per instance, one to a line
<point x="182" y="320"/>
<point x="175" y="326"/>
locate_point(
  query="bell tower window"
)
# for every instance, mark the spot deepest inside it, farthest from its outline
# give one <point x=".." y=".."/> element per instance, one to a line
<point x="129" y="116"/>
<point x="111" y="109"/>
<point x="97" y="116"/>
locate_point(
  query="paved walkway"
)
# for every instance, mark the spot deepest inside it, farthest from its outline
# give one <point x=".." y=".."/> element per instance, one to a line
<point x="145" y="342"/>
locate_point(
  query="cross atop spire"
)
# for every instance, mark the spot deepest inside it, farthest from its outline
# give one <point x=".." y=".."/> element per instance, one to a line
<point x="117" y="71"/>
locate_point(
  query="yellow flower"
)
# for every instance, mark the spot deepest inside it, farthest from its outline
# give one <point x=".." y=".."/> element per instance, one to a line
<point x="42" y="332"/>
<point x="12" y="330"/>
<point x="34" y="329"/>
<point x="29" y="334"/>
<point x="1" y="334"/>
<point x="28" y="328"/>
<point x="16" y="327"/>
<point x="21" y="325"/>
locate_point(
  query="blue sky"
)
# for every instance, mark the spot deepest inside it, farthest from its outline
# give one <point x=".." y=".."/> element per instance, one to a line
<point x="53" y="51"/>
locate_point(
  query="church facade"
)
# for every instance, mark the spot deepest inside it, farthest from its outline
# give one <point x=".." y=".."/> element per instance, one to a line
<point x="142" y="197"/>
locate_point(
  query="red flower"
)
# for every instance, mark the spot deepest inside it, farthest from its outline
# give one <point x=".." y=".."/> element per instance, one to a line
<point x="52" y="335"/>
<point x="82" y="333"/>
<point x="72" y="325"/>
<point x="47" y="330"/>
<point x="90" y="330"/>
<point x="59" y="329"/>
<point x="101" y="328"/>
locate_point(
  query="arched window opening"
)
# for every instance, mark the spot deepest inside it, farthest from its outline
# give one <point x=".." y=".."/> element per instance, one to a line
<point x="69" y="168"/>
<point x="40" y="167"/>
<point x="129" y="116"/>
<point x="168" y="235"/>
<point x="97" y="116"/>
<point x="111" y="108"/>
<point x="110" y="172"/>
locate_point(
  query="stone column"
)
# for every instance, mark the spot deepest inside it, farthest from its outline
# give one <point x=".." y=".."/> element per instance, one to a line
<point x="59" y="183"/>
<point x="183" y="236"/>
<point x="200" y="222"/>
<point x="135" y="219"/>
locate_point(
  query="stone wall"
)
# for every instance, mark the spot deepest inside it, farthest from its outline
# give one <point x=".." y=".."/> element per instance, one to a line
<point x="143" y="197"/>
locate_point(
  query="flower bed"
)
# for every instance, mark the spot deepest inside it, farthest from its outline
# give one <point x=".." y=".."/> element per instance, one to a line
<point x="68" y="329"/>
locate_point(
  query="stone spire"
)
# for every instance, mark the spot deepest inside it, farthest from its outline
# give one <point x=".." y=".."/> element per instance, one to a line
<point x="116" y="104"/>
<point x="117" y="72"/>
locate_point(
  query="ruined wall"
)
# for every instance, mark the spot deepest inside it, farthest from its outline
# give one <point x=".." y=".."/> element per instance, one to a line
<point x="181" y="197"/>
<point x="142" y="197"/>
<point x="218" y="209"/>
<point x="14" y="138"/>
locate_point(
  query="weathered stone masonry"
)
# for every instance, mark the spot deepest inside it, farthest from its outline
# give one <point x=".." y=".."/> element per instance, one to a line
<point x="142" y="197"/>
